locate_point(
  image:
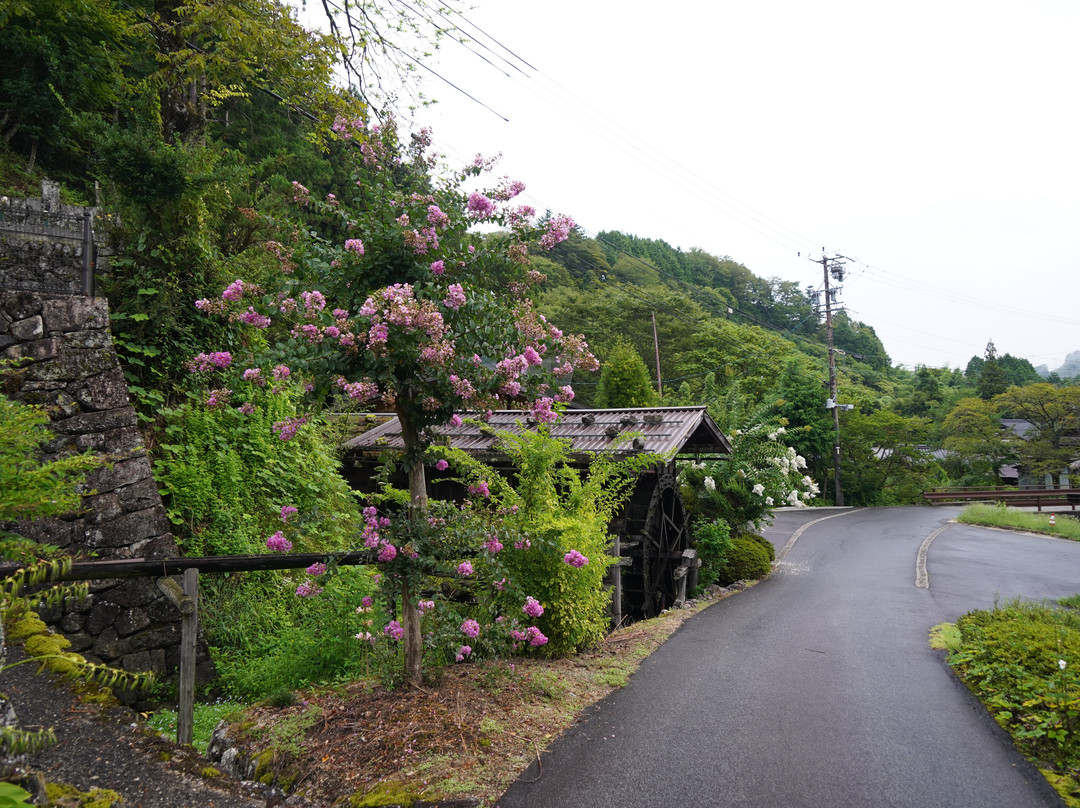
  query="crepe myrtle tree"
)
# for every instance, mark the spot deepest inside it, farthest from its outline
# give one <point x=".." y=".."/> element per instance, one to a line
<point x="392" y="299"/>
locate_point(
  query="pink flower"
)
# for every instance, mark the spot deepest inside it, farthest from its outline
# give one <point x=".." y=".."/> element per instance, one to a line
<point x="204" y="363"/>
<point x="316" y="569"/>
<point x="455" y="420"/>
<point x="436" y="218"/>
<point x="463" y="652"/>
<point x="575" y="559"/>
<point x="252" y="317"/>
<point x="465" y="569"/>
<point x="286" y="512"/>
<point x="308" y="590"/>
<point x="531" y="356"/>
<point x="442" y="465"/>
<point x="470" y="628"/>
<point x="425" y="605"/>
<point x="542" y="411"/>
<point x="355" y="245"/>
<point x="378" y="334"/>
<point x="480" y="490"/>
<point x="278" y="543"/>
<point x="234" y="291"/>
<point x="535" y="637"/>
<point x="387" y="552"/>
<point x="493" y="545"/>
<point x="366" y="601"/>
<point x="455" y="297"/>
<point x="558" y="230"/>
<point x="480" y="206"/>
<point x="393" y="630"/>
<point x="532" y="607"/>
<point x="281" y="372"/>
<point x="286" y="430"/>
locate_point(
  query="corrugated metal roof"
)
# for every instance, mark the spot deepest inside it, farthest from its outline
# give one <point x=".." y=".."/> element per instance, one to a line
<point x="661" y="430"/>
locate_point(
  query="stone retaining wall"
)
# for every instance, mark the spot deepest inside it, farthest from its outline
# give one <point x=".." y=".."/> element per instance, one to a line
<point x="72" y="370"/>
<point x="68" y="366"/>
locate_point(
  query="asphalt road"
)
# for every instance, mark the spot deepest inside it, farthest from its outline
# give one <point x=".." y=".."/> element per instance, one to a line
<point x="817" y="686"/>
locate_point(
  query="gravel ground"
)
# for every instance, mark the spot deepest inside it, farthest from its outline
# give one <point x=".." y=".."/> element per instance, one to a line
<point x="112" y="748"/>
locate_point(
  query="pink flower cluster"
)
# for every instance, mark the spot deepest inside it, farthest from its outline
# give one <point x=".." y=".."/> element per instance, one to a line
<point x="393" y="630"/>
<point x="465" y="569"/>
<point x="455" y="297"/>
<point x="436" y="217"/>
<point x="278" y="543"/>
<point x="463" y="652"/>
<point x="480" y="489"/>
<point x="314" y="300"/>
<point x="286" y="430"/>
<point x="470" y="628"/>
<point x="559" y="228"/>
<point x="533" y="636"/>
<point x="372" y="524"/>
<point x="362" y="390"/>
<point x="575" y="559"/>
<point x="480" y="207"/>
<point x="286" y="512"/>
<point x="543" y="412"/>
<point x="308" y="589"/>
<point x="235" y="290"/>
<point x="252" y="317"/>
<point x="493" y="545"/>
<point x="354" y="245"/>
<point x="532" y="607"/>
<point x="204" y="363"/>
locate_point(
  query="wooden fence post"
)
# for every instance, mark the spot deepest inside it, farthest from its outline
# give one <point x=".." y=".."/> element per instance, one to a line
<point x="187" y="601"/>
<point x="188" y="634"/>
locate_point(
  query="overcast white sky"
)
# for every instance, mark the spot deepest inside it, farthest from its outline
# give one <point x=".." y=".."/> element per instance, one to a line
<point x="937" y="144"/>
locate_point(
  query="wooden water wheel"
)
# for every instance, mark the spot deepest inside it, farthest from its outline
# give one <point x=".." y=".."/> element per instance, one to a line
<point x="666" y="535"/>
<point x="653" y="535"/>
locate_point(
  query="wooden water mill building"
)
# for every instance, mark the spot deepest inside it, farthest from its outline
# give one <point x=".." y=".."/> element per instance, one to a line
<point x="651" y="536"/>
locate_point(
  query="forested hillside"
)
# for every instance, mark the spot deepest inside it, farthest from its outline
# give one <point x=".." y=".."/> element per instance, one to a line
<point x="189" y="126"/>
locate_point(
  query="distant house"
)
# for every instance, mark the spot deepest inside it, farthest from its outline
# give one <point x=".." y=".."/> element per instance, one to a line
<point x="652" y="533"/>
<point x="1015" y="474"/>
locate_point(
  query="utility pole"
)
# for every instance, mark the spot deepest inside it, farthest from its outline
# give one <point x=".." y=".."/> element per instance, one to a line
<point x="656" y="344"/>
<point x="837" y="271"/>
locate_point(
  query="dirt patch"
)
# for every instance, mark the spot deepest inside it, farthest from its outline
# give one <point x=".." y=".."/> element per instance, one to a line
<point x="468" y="735"/>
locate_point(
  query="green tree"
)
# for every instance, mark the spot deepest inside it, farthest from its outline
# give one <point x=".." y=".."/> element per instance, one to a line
<point x="992" y="377"/>
<point x="624" y="380"/>
<point x="972" y="431"/>
<point x="883" y="460"/>
<point x="1055" y="414"/>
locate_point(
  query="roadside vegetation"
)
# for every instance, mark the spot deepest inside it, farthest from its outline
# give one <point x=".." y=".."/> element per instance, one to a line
<point x="1065" y="527"/>
<point x="1022" y="661"/>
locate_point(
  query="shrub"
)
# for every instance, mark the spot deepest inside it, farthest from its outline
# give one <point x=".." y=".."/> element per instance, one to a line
<point x="712" y="540"/>
<point x="1021" y="660"/>
<point x="747" y="561"/>
<point x="764" y="543"/>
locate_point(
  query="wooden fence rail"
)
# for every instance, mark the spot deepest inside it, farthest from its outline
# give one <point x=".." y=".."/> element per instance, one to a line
<point x="186" y="598"/>
<point x="1021" y="497"/>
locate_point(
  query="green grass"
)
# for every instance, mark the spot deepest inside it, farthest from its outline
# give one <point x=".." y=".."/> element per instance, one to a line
<point x="1067" y="527"/>
<point x="1022" y="661"/>
<point x="207" y="717"/>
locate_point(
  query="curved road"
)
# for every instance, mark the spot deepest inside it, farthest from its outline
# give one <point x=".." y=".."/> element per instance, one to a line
<point x="817" y="686"/>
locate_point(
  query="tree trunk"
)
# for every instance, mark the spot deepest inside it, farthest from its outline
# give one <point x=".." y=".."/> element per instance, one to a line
<point x="414" y="640"/>
<point x="410" y="615"/>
